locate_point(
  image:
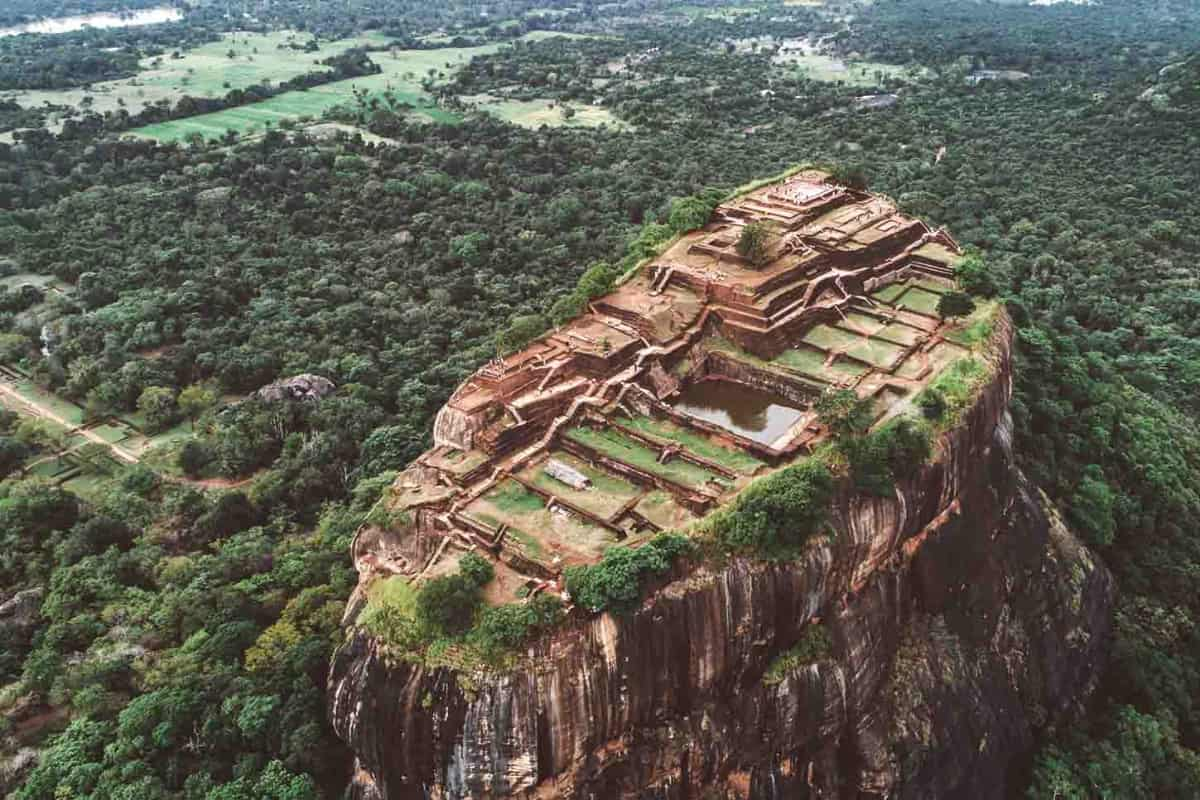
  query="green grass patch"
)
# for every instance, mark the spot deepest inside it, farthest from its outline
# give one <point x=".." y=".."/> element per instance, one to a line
<point x="977" y="327"/>
<point x="530" y="544"/>
<point x="814" y="645"/>
<point x="111" y="433"/>
<point x="811" y="361"/>
<point x="90" y="486"/>
<point x="829" y="69"/>
<point x="30" y="391"/>
<point x="513" y="498"/>
<point x="26" y="279"/>
<point x="697" y="443"/>
<point x="957" y="386"/>
<point x="919" y="300"/>
<point x="620" y="447"/>
<point x="400" y="79"/>
<point x="606" y="495"/>
<point x="873" y="351"/>
<point x="890" y="293"/>
<point x="536" y="113"/>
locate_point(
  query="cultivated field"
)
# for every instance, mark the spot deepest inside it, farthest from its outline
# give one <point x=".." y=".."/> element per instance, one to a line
<point x="210" y="71"/>
<point x="205" y="71"/>
<point x="400" y="82"/>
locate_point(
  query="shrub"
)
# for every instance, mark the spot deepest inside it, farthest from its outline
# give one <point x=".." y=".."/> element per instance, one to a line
<point x="194" y="456"/>
<point x="814" y="646"/>
<point x="754" y="242"/>
<point x="615" y="582"/>
<point x="774" y="516"/>
<point x="932" y="404"/>
<point x="504" y="628"/>
<point x="975" y="277"/>
<point x="690" y="213"/>
<point x="477" y="569"/>
<point x="844" y="412"/>
<point x="520" y="332"/>
<point x="899" y="447"/>
<point x="568" y="307"/>
<point x="597" y="279"/>
<point x="446" y="606"/>
<point x="955" y="304"/>
<point x="851" y="175"/>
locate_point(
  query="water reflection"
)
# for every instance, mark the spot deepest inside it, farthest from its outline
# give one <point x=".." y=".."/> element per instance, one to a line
<point x="144" y="16"/>
<point x="742" y="409"/>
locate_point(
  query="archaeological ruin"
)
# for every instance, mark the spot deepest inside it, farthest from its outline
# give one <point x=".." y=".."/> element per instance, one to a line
<point x="673" y="392"/>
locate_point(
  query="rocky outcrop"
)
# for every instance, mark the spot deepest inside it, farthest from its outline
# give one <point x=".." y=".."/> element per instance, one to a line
<point x="298" y="387"/>
<point x="963" y="617"/>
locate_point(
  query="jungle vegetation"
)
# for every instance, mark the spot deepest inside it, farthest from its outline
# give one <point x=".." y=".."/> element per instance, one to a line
<point x="182" y="630"/>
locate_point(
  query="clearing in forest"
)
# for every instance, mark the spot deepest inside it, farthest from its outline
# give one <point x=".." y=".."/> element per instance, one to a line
<point x="399" y="82"/>
<point x="205" y="71"/>
<point x="536" y="113"/>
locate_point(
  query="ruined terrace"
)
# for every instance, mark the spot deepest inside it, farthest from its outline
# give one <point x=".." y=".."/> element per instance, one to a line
<point x="677" y="389"/>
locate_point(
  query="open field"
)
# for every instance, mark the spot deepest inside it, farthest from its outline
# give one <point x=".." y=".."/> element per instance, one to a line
<point x="205" y="71"/>
<point x="829" y="69"/>
<point x="208" y="71"/>
<point x="28" y="279"/>
<point x="536" y="113"/>
<point x="400" y="79"/>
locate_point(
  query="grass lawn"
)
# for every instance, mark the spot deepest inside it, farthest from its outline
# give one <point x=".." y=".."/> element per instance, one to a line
<point x="660" y="508"/>
<point x="63" y="408"/>
<point x="26" y="278"/>
<point x="555" y="532"/>
<point x="620" y="447"/>
<point x="111" y="433"/>
<point x="49" y="467"/>
<point x="938" y="252"/>
<point x="89" y="485"/>
<point x="605" y="497"/>
<point x="811" y="361"/>
<point x="513" y="498"/>
<point x="930" y="285"/>
<point x="890" y="293"/>
<point x="695" y="442"/>
<point x="828" y="69"/>
<point x="977" y="327"/>
<point x="873" y="351"/>
<point x="401" y="77"/>
<point x="920" y="300"/>
<point x="203" y="71"/>
<point x="894" y="331"/>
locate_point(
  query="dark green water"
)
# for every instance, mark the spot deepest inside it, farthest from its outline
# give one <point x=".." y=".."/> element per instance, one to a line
<point x="740" y="408"/>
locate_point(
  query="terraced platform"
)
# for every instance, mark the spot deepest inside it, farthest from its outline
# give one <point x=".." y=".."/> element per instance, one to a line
<point x="679" y="388"/>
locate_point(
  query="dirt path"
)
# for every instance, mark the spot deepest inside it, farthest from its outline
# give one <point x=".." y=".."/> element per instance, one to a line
<point x="42" y="411"/>
<point x="38" y="410"/>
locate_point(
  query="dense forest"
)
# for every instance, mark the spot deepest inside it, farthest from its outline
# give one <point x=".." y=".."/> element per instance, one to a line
<point x="181" y="617"/>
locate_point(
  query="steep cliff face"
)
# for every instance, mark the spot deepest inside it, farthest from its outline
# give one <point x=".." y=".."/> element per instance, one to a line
<point x="963" y="617"/>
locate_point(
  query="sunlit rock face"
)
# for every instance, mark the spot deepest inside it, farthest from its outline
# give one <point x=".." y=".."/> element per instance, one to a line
<point x="964" y="618"/>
